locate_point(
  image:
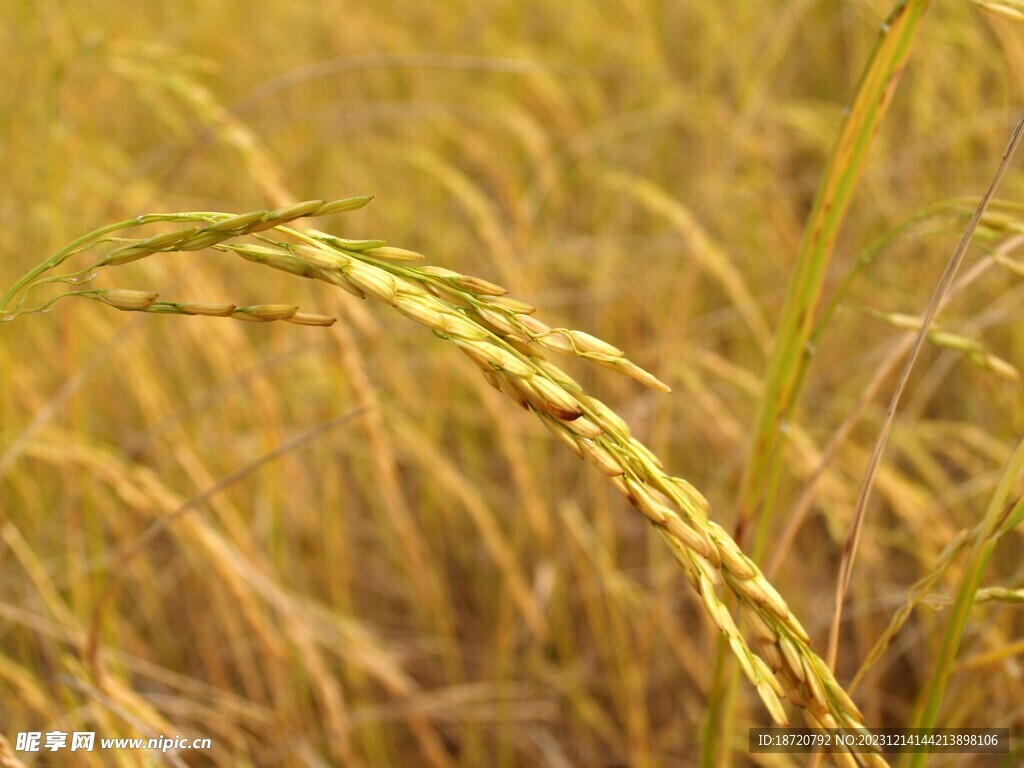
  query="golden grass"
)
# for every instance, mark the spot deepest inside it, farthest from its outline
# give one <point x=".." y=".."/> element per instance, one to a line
<point x="430" y="582"/>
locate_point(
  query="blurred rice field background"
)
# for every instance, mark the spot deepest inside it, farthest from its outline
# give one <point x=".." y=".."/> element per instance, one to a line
<point x="372" y="558"/>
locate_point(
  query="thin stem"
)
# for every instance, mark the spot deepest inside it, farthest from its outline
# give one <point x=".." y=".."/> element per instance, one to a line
<point x="853" y="539"/>
<point x="83" y="243"/>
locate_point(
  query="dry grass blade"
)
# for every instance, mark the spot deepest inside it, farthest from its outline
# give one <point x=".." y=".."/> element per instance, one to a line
<point x="945" y="281"/>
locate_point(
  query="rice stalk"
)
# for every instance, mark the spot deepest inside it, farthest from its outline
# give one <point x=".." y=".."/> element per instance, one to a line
<point x="790" y="349"/>
<point x="510" y="346"/>
<point x="787" y="361"/>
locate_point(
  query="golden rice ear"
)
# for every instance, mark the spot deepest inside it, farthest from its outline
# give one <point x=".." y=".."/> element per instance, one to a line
<point x="503" y="338"/>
